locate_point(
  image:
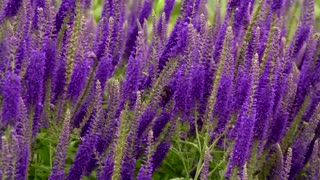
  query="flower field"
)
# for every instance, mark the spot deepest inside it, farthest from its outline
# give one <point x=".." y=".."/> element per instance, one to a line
<point x="160" y="89"/>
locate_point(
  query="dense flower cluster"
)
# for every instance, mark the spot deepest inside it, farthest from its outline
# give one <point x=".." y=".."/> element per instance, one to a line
<point x="129" y="90"/>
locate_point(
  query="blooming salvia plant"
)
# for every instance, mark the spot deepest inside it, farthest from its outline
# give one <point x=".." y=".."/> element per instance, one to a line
<point x="169" y="89"/>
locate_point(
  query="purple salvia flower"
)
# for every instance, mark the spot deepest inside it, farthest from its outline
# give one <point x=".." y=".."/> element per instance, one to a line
<point x="61" y="68"/>
<point x="299" y="148"/>
<point x="107" y="171"/>
<point x="240" y="17"/>
<point x="145" y="172"/>
<point x="305" y="79"/>
<point x="104" y="41"/>
<point x="82" y="158"/>
<point x="308" y="12"/>
<point x="160" y="123"/>
<point x="144" y="14"/>
<point x="23" y="132"/>
<point x="108" y="9"/>
<point x="129" y="159"/>
<point x="34" y="79"/>
<point x="10" y="9"/>
<point x="222" y="106"/>
<point x="163" y="147"/>
<point x="6" y="158"/>
<point x="219" y="41"/>
<point x="176" y="43"/>
<point x="131" y="82"/>
<point x="172" y="46"/>
<point x="97" y="126"/>
<point x="57" y="172"/>
<point x="34" y="87"/>
<point x="78" y="79"/>
<point x="279" y="162"/>
<point x="67" y="6"/>
<point x="276" y="6"/>
<point x="11" y="93"/>
<point x="105" y="70"/>
<point x="206" y="165"/>
<point x="24" y="26"/>
<point x="49" y="47"/>
<point x="145" y="120"/>
<point x="169" y="4"/>
<point x="246" y="119"/>
<point x="287" y="165"/>
<point x="160" y="153"/>
<point x="264" y="105"/>
<point x="314" y="161"/>
<point x="180" y="91"/>
<point x="208" y="66"/>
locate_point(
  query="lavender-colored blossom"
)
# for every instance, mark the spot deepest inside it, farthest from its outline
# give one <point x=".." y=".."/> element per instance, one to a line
<point x="11" y="94"/>
<point x="315" y="169"/>
<point x="160" y="123"/>
<point x="23" y="131"/>
<point x="106" y="172"/>
<point x="34" y="79"/>
<point x="105" y="70"/>
<point x="246" y="119"/>
<point x="82" y="157"/>
<point x="159" y="154"/>
<point x="67" y="6"/>
<point x="299" y="148"/>
<point x="145" y="120"/>
<point x="264" y="105"/>
<point x="206" y="165"/>
<point x="131" y="82"/>
<point x="144" y="14"/>
<point x="59" y="163"/>
<point x="10" y="9"/>
<point x="78" y="79"/>
<point x="180" y="92"/>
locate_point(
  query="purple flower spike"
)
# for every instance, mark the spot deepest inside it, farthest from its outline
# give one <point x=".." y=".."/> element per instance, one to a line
<point x="78" y="79"/>
<point x="59" y="163"/>
<point x="34" y="79"/>
<point x="65" y="7"/>
<point x="11" y="9"/>
<point x="131" y="82"/>
<point x="11" y="94"/>
<point x="83" y="157"/>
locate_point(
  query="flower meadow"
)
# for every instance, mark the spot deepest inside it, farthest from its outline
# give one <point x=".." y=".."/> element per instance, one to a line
<point x="229" y="90"/>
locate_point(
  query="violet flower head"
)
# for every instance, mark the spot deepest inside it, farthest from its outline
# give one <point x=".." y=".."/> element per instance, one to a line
<point x="10" y="9"/>
<point x="169" y="4"/>
<point x="59" y="163"/>
<point x="107" y="169"/>
<point x="23" y="131"/>
<point x="276" y="6"/>
<point x="105" y="70"/>
<point x="82" y="157"/>
<point x="67" y="6"/>
<point x="315" y="168"/>
<point x="78" y="79"/>
<point x="160" y="154"/>
<point x="131" y="82"/>
<point x="145" y="172"/>
<point x="34" y="78"/>
<point x="206" y="165"/>
<point x="11" y="95"/>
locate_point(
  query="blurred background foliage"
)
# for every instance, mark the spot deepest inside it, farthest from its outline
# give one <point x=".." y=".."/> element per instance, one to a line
<point x="158" y="5"/>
